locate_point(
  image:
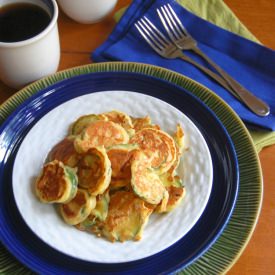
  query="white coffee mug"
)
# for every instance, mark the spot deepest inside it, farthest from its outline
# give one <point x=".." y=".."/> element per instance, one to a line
<point x="87" y="11"/>
<point x="25" y="61"/>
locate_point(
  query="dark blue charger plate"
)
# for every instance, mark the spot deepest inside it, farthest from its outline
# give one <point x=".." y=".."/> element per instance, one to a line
<point x="38" y="256"/>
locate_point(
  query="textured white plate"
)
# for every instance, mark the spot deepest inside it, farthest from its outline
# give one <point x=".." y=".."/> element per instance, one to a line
<point x="162" y="230"/>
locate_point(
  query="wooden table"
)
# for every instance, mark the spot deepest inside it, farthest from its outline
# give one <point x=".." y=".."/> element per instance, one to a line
<point x="78" y="40"/>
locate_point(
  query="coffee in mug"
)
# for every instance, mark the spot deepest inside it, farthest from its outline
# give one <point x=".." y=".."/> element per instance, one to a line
<point x="21" y="21"/>
<point x="29" y="40"/>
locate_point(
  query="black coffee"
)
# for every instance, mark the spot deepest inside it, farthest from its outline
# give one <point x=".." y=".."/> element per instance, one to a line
<point x="21" y="21"/>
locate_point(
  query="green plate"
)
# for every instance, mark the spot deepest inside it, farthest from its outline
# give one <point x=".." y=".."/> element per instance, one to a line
<point x="229" y="246"/>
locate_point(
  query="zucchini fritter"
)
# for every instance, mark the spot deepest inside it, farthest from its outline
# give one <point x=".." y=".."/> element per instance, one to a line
<point x="127" y="217"/>
<point x="82" y="122"/>
<point x="65" y="152"/>
<point x="159" y="146"/>
<point x="56" y="183"/>
<point x="146" y="184"/>
<point x="100" y="133"/>
<point x="122" y="119"/>
<point x="94" y="170"/>
<point x="79" y="208"/>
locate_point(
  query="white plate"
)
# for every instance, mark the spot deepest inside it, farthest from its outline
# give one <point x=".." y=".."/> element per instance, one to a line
<point x="162" y="230"/>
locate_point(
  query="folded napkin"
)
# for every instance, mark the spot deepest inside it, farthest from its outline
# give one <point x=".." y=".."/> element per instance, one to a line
<point x="248" y="62"/>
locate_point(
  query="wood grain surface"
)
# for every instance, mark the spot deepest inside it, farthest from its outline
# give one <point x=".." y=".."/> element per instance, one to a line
<point x="79" y="40"/>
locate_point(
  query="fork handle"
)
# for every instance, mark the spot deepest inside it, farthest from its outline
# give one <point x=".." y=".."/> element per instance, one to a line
<point x="210" y="73"/>
<point x="255" y="104"/>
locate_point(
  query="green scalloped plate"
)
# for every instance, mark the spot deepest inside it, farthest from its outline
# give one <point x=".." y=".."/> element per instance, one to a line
<point x="230" y="245"/>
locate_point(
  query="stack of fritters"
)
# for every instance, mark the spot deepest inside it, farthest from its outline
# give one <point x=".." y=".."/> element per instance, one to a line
<point x="111" y="173"/>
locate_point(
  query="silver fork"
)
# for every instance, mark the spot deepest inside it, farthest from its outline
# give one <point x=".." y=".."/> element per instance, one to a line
<point x="160" y="44"/>
<point x="184" y="41"/>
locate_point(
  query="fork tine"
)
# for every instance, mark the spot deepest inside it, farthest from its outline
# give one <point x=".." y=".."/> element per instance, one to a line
<point x="157" y="33"/>
<point x="172" y="13"/>
<point x="152" y="35"/>
<point x="145" y="35"/>
<point x="168" y="29"/>
<point x="173" y="25"/>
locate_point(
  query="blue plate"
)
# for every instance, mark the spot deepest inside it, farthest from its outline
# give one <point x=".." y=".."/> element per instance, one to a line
<point x="38" y="256"/>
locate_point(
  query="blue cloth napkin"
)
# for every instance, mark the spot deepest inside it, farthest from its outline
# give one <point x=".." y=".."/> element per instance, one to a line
<point x="249" y="63"/>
